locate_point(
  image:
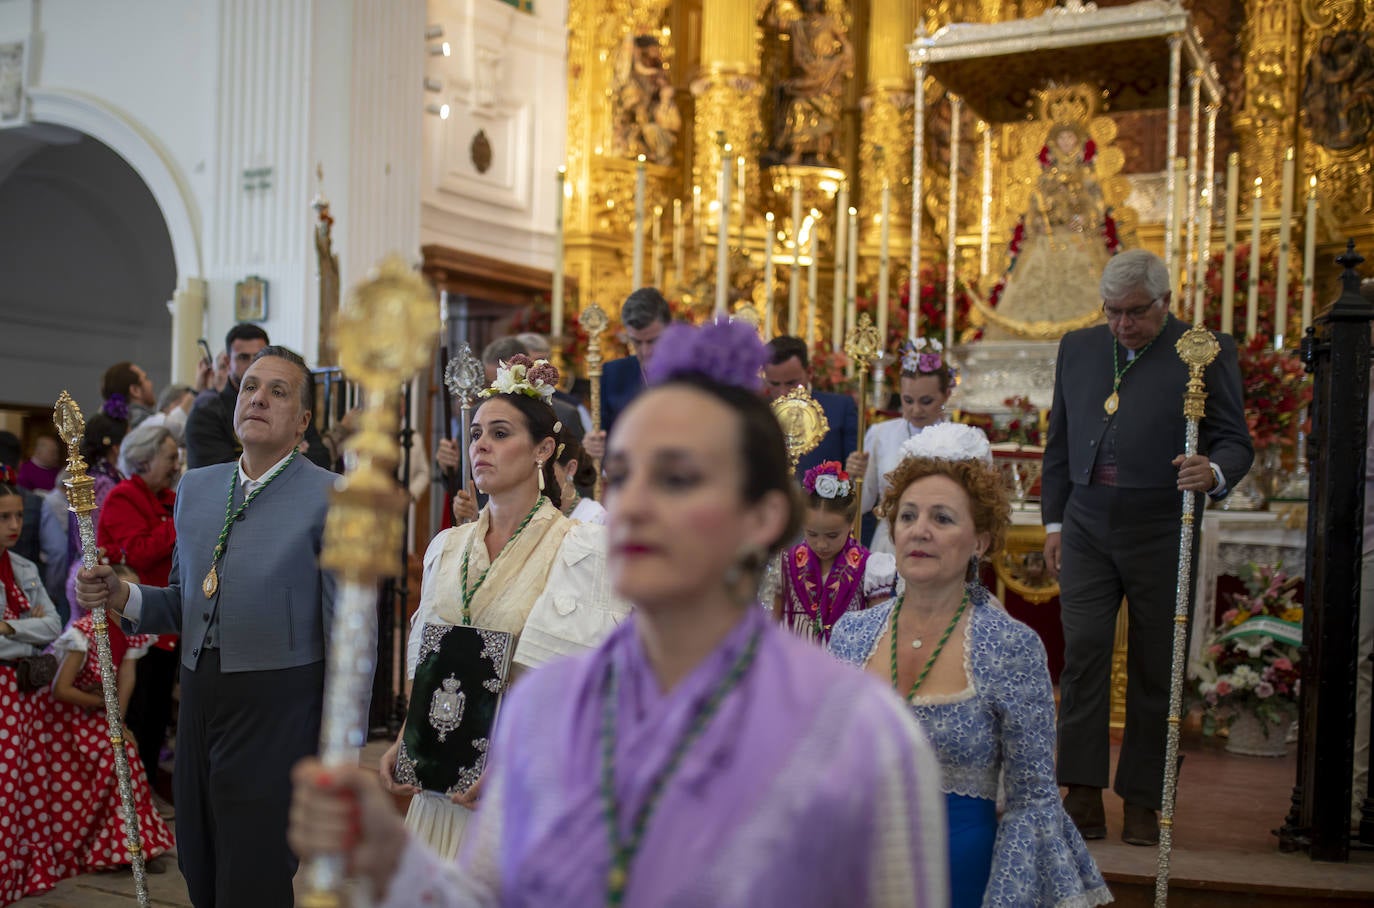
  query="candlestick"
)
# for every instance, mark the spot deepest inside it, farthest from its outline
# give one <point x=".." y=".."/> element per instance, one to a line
<point x="677" y="242"/>
<point x="637" y="266"/>
<point x="811" y="281"/>
<point x="1252" y="299"/>
<point x="556" y="303"/>
<point x="1179" y="200"/>
<point x="884" y="237"/>
<point x="1285" y="238"/>
<point x="723" y="235"/>
<point x="985" y="225"/>
<point x="743" y="213"/>
<point x="794" y="279"/>
<point x="852" y="280"/>
<point x="1228" y="264"/>
<point x="1199" y="281"/>
<point x="1309" y="253"/>
<point x="658" y="246"/>
<point x="770" y="249"/>
<point x="838" y="309"/>
<point x="698" y="231"/>
<point x="956" y="111"/>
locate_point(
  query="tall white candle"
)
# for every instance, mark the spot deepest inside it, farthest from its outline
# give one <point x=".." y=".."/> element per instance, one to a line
<point x="723" y="237"/>
<point x="884" y="241"/>
<point x="556" y="303"/>
<point x="1309" y="253"/>
<point x="814" y="253"/>
<point x="1228" y="262"/>
<point x="851" y="274"/>
<point x="699" y="232"/>
<point x="1285" y="239"/>
<point x="1252" y="299"/>
<point x="1199" y="282"/>
<point x="769" y="250"/>
<point x="837" y="307"/>
<point x="637" y="266"/>
<point x="794" y="279"/>
<point x="678" y="243"/>
<point x="1180" y="200"/>
<point x="658" y="246"/>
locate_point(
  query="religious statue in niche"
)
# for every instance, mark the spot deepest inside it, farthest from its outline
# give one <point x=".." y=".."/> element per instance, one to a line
<point x="1338" y="94"/>
<point x="809" y="102"/>
<point x="1066" y="234"/>
<point x="646" y="119"/>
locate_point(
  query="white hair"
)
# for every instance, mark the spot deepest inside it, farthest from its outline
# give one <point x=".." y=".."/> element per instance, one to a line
<point x="1132" y="271"/>
<point x="140" y="446"/>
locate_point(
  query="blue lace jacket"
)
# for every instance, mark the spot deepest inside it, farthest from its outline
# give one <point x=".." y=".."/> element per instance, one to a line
<point x="1001" y="727"/>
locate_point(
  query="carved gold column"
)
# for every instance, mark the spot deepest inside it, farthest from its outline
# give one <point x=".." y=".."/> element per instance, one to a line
<point x="1267" y="122"/>
<point x="599" y="215"/>
<point x="1338" y="150"/>
<point x="887" y="112"/>
<point x="727" y="91"/>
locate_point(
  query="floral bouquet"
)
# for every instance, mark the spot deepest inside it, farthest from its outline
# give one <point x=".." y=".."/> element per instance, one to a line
<point x="829" y="369"/>
<point x="1251" y="662"/>
<point x="1277" y="390"/>
<point x="1023" y="427"/>
<point x="930" y="314"/>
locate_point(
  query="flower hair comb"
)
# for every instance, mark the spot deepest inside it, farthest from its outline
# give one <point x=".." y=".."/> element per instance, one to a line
<point x="536" y="378"/>
<point x="828" y="480"/>
<point x="923" y="356"/>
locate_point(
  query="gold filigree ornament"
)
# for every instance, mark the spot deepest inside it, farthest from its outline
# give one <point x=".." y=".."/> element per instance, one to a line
<point x="1197" y="348"/>
<point x="71" y="427"/>
<point x="1031" y="329"/>
<point x="803" y="422"/>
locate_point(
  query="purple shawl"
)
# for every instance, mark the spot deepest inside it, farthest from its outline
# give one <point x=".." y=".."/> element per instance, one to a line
<point x="806" y="592"/>
<point x="811" y="786"/>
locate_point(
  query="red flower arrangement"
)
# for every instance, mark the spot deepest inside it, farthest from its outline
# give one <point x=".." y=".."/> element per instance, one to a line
<point x="1024" y="426"/>
<point x="1277" y="390"/>
<point x="829" y="369"/>
<point x="1268" y="292"/>
<point x="930" y="314"/>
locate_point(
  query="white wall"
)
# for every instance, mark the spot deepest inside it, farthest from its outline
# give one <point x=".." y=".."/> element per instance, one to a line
<point x="507" y="77"/>
<point x="209" y="88"/>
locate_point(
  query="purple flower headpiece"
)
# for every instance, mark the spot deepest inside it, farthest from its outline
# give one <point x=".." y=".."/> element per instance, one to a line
<point x="828" y="480"/>
<point x="925" y="356"/>
<point x="116" y="406"/>
<point x="724" y="351"/>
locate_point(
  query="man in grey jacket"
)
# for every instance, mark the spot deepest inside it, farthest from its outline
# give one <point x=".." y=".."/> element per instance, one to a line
<point x="254" y="610"/>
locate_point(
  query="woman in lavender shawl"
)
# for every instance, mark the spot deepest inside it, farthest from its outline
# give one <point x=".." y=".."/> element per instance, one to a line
<point x="975" y="678"/>
<point x="701" y="756"/>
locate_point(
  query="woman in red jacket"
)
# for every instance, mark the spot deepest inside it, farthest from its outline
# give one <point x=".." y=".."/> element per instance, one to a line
<point x="136" y="528"/>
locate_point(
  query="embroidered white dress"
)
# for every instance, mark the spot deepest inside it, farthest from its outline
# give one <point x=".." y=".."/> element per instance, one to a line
<point x="553" y="595"/>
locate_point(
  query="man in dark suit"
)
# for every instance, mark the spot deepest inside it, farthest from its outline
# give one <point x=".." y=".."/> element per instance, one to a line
<point x="790" y="366"/>
<point x="210" y="437"/>
<point x="644" y="316"/>
<point x="254" y="611"/>
<point x="1111" y="504"/>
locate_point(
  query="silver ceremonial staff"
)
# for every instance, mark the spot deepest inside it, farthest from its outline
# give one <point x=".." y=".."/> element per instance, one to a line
<point x="1197" y="348"/>
<point x="387" y="333"/>
<point x="464" y="377"/>
<point x="71" y="425"/>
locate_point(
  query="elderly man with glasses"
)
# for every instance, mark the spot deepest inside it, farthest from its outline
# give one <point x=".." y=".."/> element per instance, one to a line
<point x="1111" y="506"/>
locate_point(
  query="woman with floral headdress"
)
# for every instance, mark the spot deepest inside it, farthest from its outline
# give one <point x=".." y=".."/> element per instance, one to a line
<point x="521" y="568"/>
<point x="926" y="383"/>
<point x="829" y="573"/>
<point x="701" y="755"/>
<point x="976" y="679"/>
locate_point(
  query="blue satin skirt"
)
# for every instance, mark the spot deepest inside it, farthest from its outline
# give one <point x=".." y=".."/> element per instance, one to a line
<point x="972" y="833"/>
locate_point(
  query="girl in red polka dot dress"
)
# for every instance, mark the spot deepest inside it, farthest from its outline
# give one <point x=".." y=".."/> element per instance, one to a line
<point x="87" y="826"/>
<point x="29" y="623"/>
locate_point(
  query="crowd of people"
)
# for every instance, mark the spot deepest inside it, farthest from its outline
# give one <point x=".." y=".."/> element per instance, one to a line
<point x="879" y="731"/>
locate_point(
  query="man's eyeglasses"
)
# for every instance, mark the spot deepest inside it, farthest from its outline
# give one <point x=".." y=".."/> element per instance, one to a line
<point x="1135" y="313"/>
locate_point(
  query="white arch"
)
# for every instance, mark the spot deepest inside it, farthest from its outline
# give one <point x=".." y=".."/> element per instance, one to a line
<point x="140" y="149"/>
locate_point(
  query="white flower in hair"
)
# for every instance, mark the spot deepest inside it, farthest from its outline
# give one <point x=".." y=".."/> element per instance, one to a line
<point x="949" y="441"/>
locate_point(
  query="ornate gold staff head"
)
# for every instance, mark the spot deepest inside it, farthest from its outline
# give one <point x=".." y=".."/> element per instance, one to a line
<point x="464" y="376"/>
<point x="863" y="344"/>
<point x="387" y="332"/>
<point x="803" y="422"/>
<point x="594" y="321"/>
<point x="1197" y="348"/>
<point x="71" y="426"/>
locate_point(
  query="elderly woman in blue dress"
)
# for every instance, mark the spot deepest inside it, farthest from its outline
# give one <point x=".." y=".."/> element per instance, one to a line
<point x="976" y="679"/>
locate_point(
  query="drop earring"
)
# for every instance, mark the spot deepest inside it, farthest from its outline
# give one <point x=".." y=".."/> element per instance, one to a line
<point x="539" y="469"/>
